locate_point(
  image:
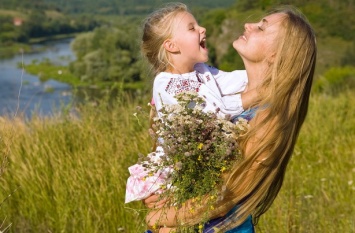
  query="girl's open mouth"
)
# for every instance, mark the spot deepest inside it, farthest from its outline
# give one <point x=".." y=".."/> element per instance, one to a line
<point x="203" y="43"/>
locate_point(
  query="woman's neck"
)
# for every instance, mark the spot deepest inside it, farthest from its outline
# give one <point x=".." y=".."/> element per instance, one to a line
<point x="256" y="73"/>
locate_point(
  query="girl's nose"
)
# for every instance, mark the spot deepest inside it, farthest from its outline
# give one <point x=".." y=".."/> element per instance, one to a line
<point x="202" y="30"/>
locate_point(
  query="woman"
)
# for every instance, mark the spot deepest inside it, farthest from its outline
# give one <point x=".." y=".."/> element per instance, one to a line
<point x="279" y="54"/>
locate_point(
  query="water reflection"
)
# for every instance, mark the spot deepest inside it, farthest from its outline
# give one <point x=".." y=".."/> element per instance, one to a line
<point x="24" y="94"/>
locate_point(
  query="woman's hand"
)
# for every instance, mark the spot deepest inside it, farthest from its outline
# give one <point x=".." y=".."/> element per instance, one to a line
<point x="153" y="218"/>
<point x="162" y="230"/>
<point x="154" y="202"/>
<point x="166" y="230"/>
<point x="161" y="218"/>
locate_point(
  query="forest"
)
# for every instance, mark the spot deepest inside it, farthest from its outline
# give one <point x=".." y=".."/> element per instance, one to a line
<point x="106" y="33"/>
<point x="117" y="7"/>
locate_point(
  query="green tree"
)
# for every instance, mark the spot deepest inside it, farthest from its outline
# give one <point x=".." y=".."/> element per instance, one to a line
<point x="108" y="54"/>
<point x="231" y="61"/>
<point x="349" y="57"/>
<point x="34" y="23"/>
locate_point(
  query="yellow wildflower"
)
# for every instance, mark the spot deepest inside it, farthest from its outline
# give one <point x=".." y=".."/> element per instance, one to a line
<point x="200" y="146"/>
<point x="155" y="227"/>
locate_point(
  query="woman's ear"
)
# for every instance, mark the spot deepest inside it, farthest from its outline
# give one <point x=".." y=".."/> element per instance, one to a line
<point x="271" y="59"/>
<point x="170" y="46"/>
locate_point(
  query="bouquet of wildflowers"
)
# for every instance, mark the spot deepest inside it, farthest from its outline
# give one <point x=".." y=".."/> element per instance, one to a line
<point x="199" y="147"/>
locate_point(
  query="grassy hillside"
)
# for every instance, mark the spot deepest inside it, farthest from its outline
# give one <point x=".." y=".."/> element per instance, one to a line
<point x="68" y="174"/>
<point x="13" y="13"/>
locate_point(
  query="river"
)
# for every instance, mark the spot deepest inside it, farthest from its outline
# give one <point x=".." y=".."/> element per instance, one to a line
<point x="23" y="94"/>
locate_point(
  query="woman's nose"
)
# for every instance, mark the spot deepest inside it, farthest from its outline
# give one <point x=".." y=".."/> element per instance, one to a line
<point x="247" y="26"/>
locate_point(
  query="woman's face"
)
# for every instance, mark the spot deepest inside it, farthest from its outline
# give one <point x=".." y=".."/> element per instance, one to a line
<point x="259" y="40"/>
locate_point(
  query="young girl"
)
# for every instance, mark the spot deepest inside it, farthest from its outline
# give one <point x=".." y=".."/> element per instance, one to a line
<point x="175" y="45"/>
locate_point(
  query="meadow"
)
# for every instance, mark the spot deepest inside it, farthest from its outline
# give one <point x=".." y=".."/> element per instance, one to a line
<point x="67" y="173"/>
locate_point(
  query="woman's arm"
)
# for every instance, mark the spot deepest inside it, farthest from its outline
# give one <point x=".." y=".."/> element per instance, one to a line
<point x="166" y="230"/>
<point x="171" y="217"/>
<point x="167" y="216"/>
<point x="163" y="217"/>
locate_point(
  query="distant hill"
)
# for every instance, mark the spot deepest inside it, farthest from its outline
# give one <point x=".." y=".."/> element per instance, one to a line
<point x="120" y="7"/>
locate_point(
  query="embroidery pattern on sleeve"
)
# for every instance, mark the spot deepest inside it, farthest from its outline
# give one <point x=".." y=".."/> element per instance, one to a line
<point x="177" y="85"/>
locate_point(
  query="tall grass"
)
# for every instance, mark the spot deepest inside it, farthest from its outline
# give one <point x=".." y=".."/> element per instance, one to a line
<point x="68" y="174"/>
<point x="318" y="192"/>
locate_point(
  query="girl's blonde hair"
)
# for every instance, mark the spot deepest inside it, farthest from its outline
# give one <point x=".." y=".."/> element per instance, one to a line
<point x="285" y="95"/>
<point x="157" y="28"/>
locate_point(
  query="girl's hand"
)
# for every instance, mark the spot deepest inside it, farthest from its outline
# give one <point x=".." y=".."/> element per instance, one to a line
<point x="153" y="202"/>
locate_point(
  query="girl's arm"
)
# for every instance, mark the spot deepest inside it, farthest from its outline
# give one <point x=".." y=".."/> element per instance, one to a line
<point x="228" y="83"/>
<point x="233" y="87"/>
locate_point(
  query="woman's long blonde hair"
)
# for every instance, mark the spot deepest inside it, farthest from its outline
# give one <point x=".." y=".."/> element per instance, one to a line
<point x="285" y="95"/>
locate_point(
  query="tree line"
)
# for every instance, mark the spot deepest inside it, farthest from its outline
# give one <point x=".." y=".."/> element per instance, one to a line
<point x="38" y="23"/>
<point x="117" y="7"/>
<point x="109" y="51"/>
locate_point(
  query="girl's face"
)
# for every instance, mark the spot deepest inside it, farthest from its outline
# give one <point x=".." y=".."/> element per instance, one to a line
<point x="190" y="41"/>
<point x="259" y="40"/>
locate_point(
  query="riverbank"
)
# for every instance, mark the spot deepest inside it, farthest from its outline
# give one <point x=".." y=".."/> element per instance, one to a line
<point x="25" y="93"/>
<point x="11" y="49"/>
<point x="47" y="70"/>
<point x="52" y="38"/>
